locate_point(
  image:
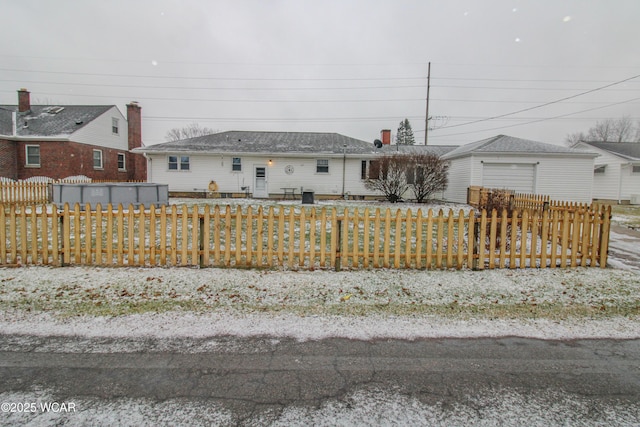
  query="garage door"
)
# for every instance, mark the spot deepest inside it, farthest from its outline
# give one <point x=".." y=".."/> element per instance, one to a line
<point x="519" y="177"/>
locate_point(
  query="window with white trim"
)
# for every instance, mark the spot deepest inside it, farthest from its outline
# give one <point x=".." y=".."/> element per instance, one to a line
<point x="32" y="157"/>
<point x="178" y="163"/>
<point x="600" y="169"/>
<point x="236" y="164"/>
<point x="115" y="129"/>
<point x="97" y="159"/>
<point x="322" y="166"/>
<point x="635" y="169"/>
<point x="122" y="163"/>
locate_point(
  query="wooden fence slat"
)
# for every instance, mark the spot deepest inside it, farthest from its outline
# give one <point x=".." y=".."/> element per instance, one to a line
<point x="302" y="239"/>
<point x="504" y="238"/>
<point x="386" y="241"/>
<point x="471" y="239"/>
<point x="195" y="238"/>
<point x="523" y="238"/>
<point x="365" y="238"/>
<point x="429" y="239"/>
<point x="419" y="239"/>
<point x="291" y="237"/>
<point x="461" y="235"/>
<point x="407" y="235"/>
<point x="492" y="242"/>
<point x="604" y="239"/>
<point x="259" y="236"/>
<point x="398" y="240"/>
<point x="440" y="240"/>
<point x="163" y="235"/>
<point x="565" y="238"/>
<point x="376" y="239"/>
<point x="312" y="239"/>
<point x="533" y="254"/>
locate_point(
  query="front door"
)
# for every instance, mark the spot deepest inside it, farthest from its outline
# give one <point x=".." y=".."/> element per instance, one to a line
<point x="260" y="188"/>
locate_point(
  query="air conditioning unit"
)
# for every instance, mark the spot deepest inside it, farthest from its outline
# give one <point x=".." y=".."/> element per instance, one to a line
<point x="635" y="199"/>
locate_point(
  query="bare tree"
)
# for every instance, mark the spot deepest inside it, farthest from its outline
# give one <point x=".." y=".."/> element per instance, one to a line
<point x="573" y="138"/>
<point x="190" y="131"/>
<point x="426" y="174"/>
<point x="387" y="174"/>
<point x="609" y="130"/>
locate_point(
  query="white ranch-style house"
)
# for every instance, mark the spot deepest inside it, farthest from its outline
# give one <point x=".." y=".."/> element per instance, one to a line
<point x="616" y="173"/>
<point x="267" y="164"/>
<point x="279" y="164"/>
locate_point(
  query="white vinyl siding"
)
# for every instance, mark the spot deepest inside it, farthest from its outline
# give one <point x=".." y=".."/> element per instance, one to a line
<point x="206" y="168"/>
<point x="562" y="177"/>
<point x="98" y="132"/>
<point x="460" y="178"/>
<point x="618" y="182"/>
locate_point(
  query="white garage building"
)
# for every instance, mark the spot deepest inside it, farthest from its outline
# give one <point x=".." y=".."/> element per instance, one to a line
<point x="523" y="166"/>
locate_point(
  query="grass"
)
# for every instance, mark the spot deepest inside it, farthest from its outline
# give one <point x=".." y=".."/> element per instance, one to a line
<point x="539" y="294"/>
<point x="627" y="215"/>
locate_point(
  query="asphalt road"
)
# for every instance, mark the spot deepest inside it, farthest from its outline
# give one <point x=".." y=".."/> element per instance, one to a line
<point x="262" y="381"/>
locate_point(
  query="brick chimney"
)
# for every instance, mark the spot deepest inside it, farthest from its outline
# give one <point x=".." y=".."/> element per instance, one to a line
<point x="24" y="101"/>
<point x="386" y="136"/>
<point x="136" y="163"/>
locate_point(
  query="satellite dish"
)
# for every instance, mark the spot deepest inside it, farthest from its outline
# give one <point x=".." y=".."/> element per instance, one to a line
<point x="377" y="143"/>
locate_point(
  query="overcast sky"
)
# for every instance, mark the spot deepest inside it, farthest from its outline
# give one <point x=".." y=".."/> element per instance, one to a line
<point x="351" y="67"/>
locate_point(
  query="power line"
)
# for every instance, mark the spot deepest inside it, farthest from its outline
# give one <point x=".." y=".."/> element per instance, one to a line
<point x="215" y="78"/>
<point x="540" y="120"/>
<point x="543" y="105"/>
<point x="215" y="88"/>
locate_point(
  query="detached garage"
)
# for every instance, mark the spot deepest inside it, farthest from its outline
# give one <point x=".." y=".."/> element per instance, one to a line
<point x="523" y="166"/>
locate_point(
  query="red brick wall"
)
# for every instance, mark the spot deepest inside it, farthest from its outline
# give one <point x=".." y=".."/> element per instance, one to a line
<point x="136" y="163"/>
<point x="60" y="159"/>
<point x="8" y="161"/>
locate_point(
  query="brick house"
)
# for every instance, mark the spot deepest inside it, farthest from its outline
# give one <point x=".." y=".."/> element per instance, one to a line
<point x="61" y="141"/>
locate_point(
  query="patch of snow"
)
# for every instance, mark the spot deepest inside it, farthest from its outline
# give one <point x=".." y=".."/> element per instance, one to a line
<point x="367" y="406"/>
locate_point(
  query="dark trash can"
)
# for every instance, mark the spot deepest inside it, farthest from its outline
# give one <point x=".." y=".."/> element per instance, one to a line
<point x="307" y="197"/>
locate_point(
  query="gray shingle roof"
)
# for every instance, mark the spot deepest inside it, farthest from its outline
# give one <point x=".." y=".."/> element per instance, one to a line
<point x="265" y="142"/>
<point x="41" y="121"/>
<point x="438" y="150"/>
<point x="504" y="144"/>
<point x="284" y="143"/>
<point x="627" y="150"/>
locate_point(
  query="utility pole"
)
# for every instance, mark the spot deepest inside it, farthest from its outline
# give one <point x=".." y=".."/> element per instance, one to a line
<point x="426" y="119"/>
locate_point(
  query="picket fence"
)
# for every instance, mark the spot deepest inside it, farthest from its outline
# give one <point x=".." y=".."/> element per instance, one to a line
<point x="302" y="238"/>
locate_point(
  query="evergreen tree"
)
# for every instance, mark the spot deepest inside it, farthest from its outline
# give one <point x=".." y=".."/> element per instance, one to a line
<point x="405" y="134"/>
